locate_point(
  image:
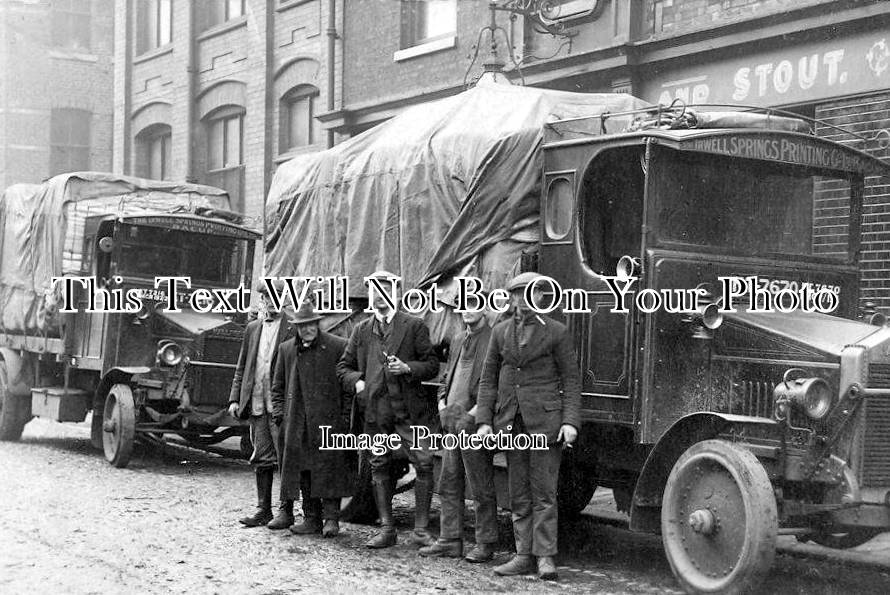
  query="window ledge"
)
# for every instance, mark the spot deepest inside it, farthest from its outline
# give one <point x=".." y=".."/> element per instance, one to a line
<point x="229" y="25"/>
<point x="437" y="45"/>
<point x="62" y="54"/>
<point x="291" y="4"/>
<point x="153" y="53"/>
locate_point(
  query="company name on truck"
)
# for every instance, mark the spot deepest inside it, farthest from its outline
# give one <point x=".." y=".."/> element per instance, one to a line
<point x="786" y="150"/>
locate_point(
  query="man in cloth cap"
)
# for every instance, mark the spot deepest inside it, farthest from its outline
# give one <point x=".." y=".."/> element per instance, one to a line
<point x="387" y="357"/>
<point x="531" y="385"/>
<point x="457" y="410"/>
<point x="306" y="395"/>
<point x="251" y="399"/>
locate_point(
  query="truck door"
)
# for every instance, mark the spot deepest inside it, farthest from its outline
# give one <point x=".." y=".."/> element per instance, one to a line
<point x="608" y="214"/>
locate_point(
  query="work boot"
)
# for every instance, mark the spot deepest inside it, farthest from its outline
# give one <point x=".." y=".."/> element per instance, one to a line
<point x="331" y="528"/>
<point x="443" y="548"/>
<point x="310" y="525"/>
<point x="386" y="537"/>
<point x="519" y="564"/>
<point x="423" y="497"/>
<point x="264" y="499"/>
<point x="481" y="552"/>
<point x="546" y="568"/>
<point x="284" y="518"/>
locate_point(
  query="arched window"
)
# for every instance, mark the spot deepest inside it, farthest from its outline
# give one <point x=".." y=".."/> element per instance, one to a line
<point x="298" y="127"/>
<point x="153" y="152"/>
<point x="225" y="132"/>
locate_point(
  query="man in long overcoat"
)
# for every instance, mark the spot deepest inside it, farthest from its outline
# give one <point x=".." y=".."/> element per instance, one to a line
<point x="251" y="399"/>
<point x="386" y="359"/>
<point x="307" y="396"/>
<point x="531" y="385"/>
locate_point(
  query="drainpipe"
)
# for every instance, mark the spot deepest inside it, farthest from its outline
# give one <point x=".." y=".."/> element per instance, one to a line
<point x="332" y="39"/>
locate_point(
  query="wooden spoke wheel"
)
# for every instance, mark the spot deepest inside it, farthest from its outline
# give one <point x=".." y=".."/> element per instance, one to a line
<point x="119" y="425"/>
<point x="15" y="411"/>
<point x="718" y="519"/>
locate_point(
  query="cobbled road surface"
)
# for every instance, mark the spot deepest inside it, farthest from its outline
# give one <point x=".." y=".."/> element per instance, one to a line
<point x="70" y="523"/>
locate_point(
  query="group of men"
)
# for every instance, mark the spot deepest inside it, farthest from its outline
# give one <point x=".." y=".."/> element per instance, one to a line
<point x="519" y="377"/>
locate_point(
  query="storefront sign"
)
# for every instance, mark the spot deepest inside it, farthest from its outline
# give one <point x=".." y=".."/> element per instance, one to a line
<point x="797" y="74"/>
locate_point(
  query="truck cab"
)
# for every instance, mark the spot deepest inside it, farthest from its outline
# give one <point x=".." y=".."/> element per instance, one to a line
<point x="723" y="424"/>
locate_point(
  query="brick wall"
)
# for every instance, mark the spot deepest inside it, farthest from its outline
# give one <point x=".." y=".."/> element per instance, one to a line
<point x="668" y="17"/>
<point x="370" y="73"/>
<point x="250" y="52"/>
<point x="40" y="76"/>
<point x="865" y="116"/>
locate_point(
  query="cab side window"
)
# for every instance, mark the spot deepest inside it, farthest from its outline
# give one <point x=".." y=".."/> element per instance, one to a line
<point x="611" y="209"/>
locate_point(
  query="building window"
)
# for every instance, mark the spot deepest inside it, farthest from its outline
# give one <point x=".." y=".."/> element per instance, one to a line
<point x="155" y="24"/>
<point x="220" y="11"/>
<point x="153" y="157"/>
<point x="71" y="24"/>
<point x="69" y="140"/>
<point x="424" y="21"/>
<point x="225" y="132"/>
<point x="299" y="128"/>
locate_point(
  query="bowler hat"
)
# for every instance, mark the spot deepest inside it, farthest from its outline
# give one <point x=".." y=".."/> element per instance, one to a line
<point x="305" y="314"/>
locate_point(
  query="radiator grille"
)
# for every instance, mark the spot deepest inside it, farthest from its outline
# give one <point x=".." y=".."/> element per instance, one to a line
<point x="876" y="449"/>
<point x="210" y="385"/>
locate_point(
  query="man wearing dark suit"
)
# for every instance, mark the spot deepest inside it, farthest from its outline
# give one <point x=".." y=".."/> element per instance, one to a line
<point x="386" y="359"/>
<point x="531" y="385"/>
<point x="306" y="395"/>
<point x="457" y="409"/>
<point x="251" y="399"/>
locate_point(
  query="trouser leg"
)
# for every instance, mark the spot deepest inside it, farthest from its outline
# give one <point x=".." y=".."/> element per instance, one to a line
<point x="520" y="499"/>
<point x="479" y="465"/>
<point x="451" y="495"/>
<point x="544" y="475"/>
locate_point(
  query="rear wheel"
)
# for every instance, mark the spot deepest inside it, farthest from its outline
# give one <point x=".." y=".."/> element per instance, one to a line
<point x="718" y="519"/>
<point x="119" y="425"/>
<point x="15" y="411"/>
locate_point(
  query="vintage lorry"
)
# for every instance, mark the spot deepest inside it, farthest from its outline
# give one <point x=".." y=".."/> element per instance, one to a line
<point x="143" y="373"/>
<point x="720" y="430"/>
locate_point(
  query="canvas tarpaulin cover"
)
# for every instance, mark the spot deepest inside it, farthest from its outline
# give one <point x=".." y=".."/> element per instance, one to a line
<point x="42" y="232"/>
<point x="444" y="188"/>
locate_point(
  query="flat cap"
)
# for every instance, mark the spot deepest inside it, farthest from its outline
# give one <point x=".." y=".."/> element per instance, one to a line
<point x="520" y="281"/>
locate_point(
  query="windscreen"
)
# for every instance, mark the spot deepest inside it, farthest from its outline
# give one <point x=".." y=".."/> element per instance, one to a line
<point x="148" y="252"/>
<point x="750" y="207"/>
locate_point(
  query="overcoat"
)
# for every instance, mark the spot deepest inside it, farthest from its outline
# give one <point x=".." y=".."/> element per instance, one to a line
<point x="245" y="371"/>
<point x="306" y="391"/>
<point x="409" y="340"/>
<point x="541" y="380"/>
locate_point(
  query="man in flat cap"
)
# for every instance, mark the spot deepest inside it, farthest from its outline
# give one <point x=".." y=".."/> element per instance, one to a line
<point x="251" y="399"/>
<point x="457" y="409"/>
<point x="307" y="395"/>
<point x="387" y="357"/>
<point x="531" y="385"/>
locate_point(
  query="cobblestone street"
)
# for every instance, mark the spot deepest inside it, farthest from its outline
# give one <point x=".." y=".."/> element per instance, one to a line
<point x="71" y="523"/>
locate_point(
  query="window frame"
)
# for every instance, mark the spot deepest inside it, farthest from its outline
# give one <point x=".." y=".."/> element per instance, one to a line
<point x="294" y="96"/>
<point x="67" y="146"/>
<point x="67" y="17"/>
<point x="414" y="15"/>
<point x="222" y="117"/>
<point x="152" y="16"/>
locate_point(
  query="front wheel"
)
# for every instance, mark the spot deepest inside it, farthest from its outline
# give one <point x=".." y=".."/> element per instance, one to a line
<point x="119" y="425"/>
<point x="719" y="519"/>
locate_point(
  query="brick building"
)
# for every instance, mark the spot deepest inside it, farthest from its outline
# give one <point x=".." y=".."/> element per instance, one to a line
<point x="55" y="88"/>
<point x="220" y="91"/>
<point x="824" y="58"/>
